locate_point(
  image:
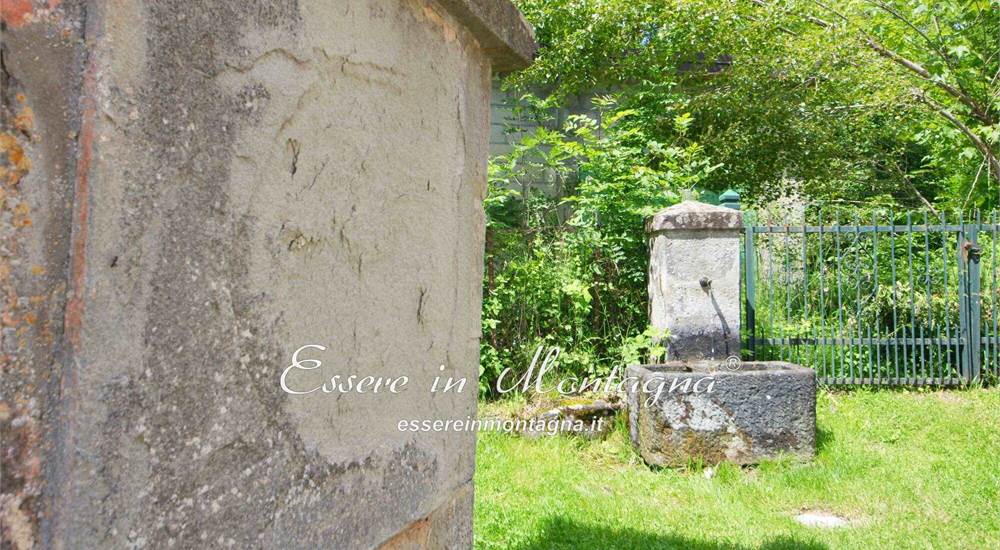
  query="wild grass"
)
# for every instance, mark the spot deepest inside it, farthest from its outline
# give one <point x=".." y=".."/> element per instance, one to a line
<point x="906" y="469"/>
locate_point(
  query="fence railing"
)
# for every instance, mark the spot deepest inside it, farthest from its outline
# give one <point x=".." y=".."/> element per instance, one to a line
<point x="896" y="299"/>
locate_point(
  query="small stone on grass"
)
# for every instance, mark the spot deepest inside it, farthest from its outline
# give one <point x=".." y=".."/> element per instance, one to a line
<point x="822" y="520"/>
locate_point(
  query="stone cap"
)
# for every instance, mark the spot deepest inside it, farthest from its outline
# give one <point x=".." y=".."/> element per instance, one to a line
<point x="507" y="38"/>
<point x="694" y="215"/>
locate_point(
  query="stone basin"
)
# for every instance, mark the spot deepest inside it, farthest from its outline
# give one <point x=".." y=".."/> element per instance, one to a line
<point x="721" y="412"/>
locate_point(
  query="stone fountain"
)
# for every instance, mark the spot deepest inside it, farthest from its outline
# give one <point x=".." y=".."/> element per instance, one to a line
<point x="705" y="403"/>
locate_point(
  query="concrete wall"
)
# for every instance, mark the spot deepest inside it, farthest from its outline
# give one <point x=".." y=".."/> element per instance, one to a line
<point x="192" y="191"/>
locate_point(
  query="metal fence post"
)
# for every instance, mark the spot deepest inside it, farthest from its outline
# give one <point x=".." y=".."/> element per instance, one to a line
<point x="975" y="302"/>
<point x="969" y="316"/>
<point x="730" y="199"/>
<point x="962" y="347"/>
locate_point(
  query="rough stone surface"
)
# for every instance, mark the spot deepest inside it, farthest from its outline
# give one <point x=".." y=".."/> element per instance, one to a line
<point x="501" y="30"/>
<point x="694" y="215"/>
<point x="192" y="191"/>
<point x="693" y="243"/>
<point x="449" y="526"/>
<point x="596" y="415"/>
<point x="821" y="520"/>
<point x="759" y="411"/>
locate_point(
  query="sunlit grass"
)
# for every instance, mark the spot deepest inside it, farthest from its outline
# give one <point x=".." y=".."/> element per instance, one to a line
<point x="908" y="469"/>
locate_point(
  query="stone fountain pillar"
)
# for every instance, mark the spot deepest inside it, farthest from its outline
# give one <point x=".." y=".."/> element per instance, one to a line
<point x="694" y="279"/>
<point x="704" y="403"/>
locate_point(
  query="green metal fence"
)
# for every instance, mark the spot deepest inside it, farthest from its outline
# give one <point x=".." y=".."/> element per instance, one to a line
<point x="896" y="299"/>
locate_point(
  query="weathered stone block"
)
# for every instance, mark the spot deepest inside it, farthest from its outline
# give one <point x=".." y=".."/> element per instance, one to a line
<point x="595" y="416"/>
<point x="682" y="411"/>
<point x="694" y="279"/>
<point x="192" y="192"/>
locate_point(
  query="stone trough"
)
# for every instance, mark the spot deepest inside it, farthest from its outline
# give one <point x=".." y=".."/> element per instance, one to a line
<point x="714" y="412"/>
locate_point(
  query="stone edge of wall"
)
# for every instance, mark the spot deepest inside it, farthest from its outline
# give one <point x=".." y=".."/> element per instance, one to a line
<point x="506" y="37"/>
<point x="448" y="526"/>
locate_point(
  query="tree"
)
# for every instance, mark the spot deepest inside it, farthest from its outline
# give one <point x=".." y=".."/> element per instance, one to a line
<point x="950" y="50"/>
<point x="857" y="100"/>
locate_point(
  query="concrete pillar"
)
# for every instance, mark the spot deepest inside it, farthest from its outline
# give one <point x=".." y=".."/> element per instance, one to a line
<point x="694" y="279"/>
<point x="190" y="192"/>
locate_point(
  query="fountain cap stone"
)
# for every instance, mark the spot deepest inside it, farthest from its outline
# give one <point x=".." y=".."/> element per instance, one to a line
<point x="694" y="215"/>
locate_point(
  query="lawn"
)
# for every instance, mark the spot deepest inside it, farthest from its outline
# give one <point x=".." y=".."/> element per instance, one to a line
<point x="907" y="469"/>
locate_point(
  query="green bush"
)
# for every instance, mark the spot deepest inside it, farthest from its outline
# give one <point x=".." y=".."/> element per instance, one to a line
<point x="571" y="271"/>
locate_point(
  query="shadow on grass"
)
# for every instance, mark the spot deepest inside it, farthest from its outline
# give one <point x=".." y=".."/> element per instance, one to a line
<point x="564" y="533"/>
<point x="824" y="438"/>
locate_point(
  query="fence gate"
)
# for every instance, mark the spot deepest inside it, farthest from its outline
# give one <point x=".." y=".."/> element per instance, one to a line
<point x="906" y="299"/>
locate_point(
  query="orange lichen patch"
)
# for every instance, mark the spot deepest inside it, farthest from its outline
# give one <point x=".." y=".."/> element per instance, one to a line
<point x="14" y="151"/>
<point x="16" y="13"/>
<point x="18" y="163"/>
<point x="21" y="218"/>
<point x="14" y="165"/>
<point x="24" y="321"/>
<point x="25" y="121"/>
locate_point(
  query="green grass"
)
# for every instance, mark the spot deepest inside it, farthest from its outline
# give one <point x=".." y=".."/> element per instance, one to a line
<point x="909" y="469"/>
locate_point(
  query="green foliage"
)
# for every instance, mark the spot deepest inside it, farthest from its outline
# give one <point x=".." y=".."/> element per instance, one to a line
<point x="848" y="97"/>
<point x="870" y="103"/>
<point x="958" y="44"/>
<point x="571" y="272"/>
<point x="647" y="347"/>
